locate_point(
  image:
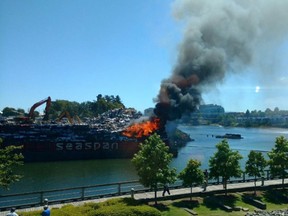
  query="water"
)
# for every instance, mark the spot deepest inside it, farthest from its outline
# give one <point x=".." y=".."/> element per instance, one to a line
<point x="204" y="145"/>
<point x="58" y="175"/>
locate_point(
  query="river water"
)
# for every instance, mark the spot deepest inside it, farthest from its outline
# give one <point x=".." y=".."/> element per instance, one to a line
<point x="57" y="175"/>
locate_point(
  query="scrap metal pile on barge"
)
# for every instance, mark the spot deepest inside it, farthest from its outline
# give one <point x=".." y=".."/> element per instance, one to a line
<point x="98" y="138"/>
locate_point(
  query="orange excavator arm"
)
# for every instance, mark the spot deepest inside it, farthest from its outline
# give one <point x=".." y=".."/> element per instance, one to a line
<point x="48" y="104"/>
<point x="67" y="115"/>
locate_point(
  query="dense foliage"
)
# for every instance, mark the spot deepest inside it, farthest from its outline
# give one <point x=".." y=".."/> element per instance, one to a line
<point x="279" y="158"/>
<point x="225" y="163"/>
<point x="192" y="174"/>
<point x="152" y="163"/>
<point x="9" y="160"/>
<point x="255" y="165"/>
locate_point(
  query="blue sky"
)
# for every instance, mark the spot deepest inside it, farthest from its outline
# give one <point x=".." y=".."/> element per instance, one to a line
<point x="74" y="50"/>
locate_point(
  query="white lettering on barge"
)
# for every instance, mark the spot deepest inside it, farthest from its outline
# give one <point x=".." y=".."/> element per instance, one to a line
<point x="86" y="146"/>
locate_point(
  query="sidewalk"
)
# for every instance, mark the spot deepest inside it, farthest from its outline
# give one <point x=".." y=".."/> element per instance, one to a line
<point x="174" y="193"/>
<point x="185" y="192"/>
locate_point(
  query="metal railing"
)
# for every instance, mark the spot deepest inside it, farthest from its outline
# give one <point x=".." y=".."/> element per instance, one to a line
<point x="33" y="199"/>
<point x="69" y="194"/>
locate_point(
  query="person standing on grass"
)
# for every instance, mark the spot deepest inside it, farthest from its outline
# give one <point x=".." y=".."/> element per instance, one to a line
<point x="12" y="212"/>
<point x="46" y="211"/>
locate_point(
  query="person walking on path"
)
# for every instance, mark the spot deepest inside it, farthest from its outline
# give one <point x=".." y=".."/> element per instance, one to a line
<point x="12" y="212"/>
<point x="205" y="179"/>
<point x="206" y="174"/>
<point x="204" y="185"/>
<point x="46" y="211"/>
<point x="165" y="189"/>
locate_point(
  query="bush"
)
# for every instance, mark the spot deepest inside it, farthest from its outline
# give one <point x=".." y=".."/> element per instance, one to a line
<point x="126" y="211"/>
<point x="123" y="207"/>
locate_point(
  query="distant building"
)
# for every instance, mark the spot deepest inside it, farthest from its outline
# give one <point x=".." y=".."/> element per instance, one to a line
<point x="211" y="110"/>
<point x="206" y="114"/>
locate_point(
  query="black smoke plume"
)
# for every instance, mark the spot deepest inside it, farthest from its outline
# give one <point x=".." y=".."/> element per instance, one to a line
<point x="220" y="36"/>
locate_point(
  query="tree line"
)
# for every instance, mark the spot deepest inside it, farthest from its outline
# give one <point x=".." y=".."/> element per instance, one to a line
<point x="85" y="109"/>
<point x="153" y="160"/>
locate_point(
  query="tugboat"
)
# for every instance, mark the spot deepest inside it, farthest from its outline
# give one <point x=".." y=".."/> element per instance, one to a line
<point x="229" y="136"/>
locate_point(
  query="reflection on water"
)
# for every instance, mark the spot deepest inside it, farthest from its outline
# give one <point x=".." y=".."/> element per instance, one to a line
<point x="55" y="175"/>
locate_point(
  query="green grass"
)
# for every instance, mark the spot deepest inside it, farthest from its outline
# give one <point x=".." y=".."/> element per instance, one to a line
<point x="274" y="199"/>
<point x="113" y="207"/>
<point x="203" y="205"/>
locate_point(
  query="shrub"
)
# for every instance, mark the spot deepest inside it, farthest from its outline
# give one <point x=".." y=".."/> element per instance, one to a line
<point x="122" y="207"/>
<point x="113" y="207"/>
<point x="126" y="211"/>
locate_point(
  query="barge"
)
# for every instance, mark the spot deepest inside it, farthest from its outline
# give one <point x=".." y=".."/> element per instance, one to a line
<point x="56" y="143"/>
<point x="59" y="142"/>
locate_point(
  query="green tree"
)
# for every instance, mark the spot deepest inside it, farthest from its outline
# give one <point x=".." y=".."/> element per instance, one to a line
<point x="255" y="166"/>
<point x="225" y="163"/>
<point x="247" y="113"/>
<point x="278" y="158"/>
<point x="152" y="163"/>
<point x="276" y="110"/>
<point x="118" y="99"/>
<point x="8" y="111"/>
<point x="9" y="160"/>
<point x="105" y="103"/>
<point x="192" y="174"/>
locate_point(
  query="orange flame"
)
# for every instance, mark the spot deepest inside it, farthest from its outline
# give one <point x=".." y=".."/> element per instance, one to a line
<point x="146" y="128"/>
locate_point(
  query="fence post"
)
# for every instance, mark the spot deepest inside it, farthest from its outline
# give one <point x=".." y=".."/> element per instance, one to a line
<point x="119" y="189"/>
<point x="82" y="193"/>
<point x="41" y="198"/>
<point x="132" y="193"/>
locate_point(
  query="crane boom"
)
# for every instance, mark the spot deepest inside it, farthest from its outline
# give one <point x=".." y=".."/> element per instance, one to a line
<point x="48" y="104"/>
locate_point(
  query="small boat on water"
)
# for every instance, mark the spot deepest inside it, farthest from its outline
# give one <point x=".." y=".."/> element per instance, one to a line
<point x="229" y="136"/>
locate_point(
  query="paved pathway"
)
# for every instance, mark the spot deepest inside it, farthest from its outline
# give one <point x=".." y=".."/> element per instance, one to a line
<point x="174" y="193"/>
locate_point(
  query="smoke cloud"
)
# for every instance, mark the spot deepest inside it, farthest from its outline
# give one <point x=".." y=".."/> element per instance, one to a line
<point x="220" y="36"/>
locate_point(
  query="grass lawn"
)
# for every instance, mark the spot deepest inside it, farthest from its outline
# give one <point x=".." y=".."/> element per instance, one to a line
<point x="209" y="205"/>
<point x="203" y="205"/>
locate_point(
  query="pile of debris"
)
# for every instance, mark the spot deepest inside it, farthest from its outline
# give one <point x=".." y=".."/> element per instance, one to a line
<point x="269" y="213"/>
<point x="114" y="120"/>
<point x="119" y="119"/>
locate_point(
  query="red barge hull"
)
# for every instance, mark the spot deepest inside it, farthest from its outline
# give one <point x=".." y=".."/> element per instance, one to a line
<point x="67" y="142"/>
